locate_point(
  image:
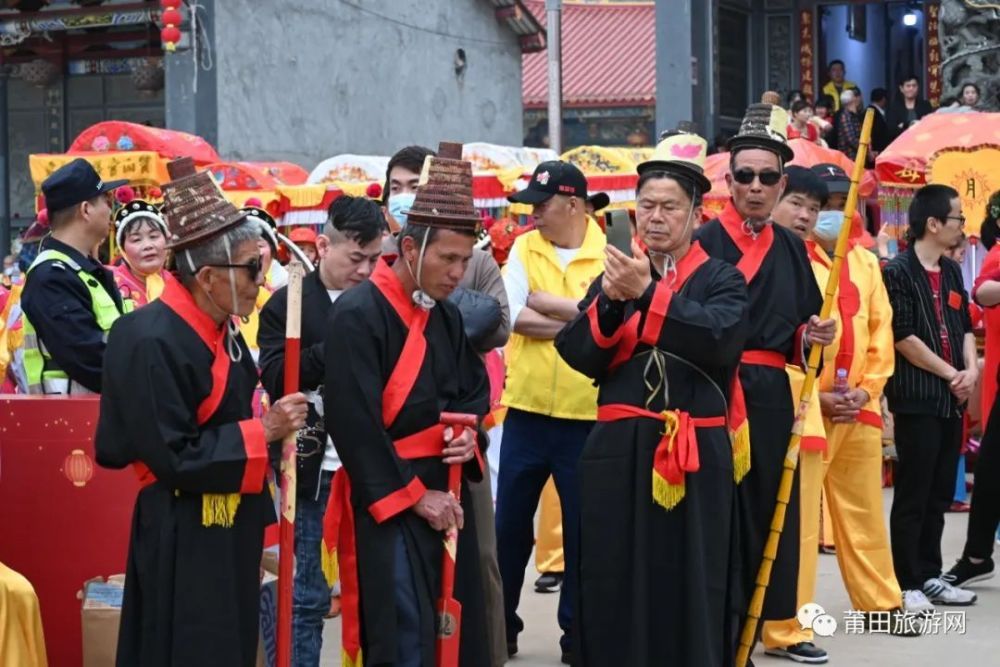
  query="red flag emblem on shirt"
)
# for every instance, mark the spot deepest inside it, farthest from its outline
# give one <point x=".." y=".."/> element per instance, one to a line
<point x="954" y="300"/>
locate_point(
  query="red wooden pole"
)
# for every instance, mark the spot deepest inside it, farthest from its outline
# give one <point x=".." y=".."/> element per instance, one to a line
<point x="449" y="609"/>
<point x="286" y="535"/>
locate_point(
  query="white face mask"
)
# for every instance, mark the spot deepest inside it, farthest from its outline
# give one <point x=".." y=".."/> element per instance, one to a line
<point x="828" y="225"/>
<point x="399" y="206"/>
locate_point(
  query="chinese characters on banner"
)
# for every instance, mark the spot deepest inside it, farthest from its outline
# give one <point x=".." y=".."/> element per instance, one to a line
<point x="806" y="83"/>
<point x="933" y="12"/>
<point x="971" y="173"/>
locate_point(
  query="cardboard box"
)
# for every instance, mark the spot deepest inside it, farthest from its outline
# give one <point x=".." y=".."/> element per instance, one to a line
<point x="267" y="651"/>
<point x="269" y="560"/>
<point x="100" y="615"/>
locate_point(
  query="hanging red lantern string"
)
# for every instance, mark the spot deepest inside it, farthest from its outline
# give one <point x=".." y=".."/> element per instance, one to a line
<point x="171" y="19"/>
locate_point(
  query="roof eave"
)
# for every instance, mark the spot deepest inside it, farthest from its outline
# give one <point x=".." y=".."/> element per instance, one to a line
<point x="531" y="34"/>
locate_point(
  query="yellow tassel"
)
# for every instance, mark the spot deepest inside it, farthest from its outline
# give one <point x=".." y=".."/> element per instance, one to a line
<point x="219" y="509"/>
<point x="347" y="661"/>
<point x="666" y="494"/>
<point x="741" y="451"/>
<point x="329" y="564"/>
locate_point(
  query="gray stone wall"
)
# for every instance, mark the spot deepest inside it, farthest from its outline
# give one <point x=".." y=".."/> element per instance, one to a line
<point x="970" y="49"/>
<point x="305" y="80"/>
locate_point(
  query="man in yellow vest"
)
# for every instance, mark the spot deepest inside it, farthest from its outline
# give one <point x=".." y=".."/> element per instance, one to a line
<point x="837" y="83"/>
<point x="551" y="407"/>
<point x="70" y="300"/>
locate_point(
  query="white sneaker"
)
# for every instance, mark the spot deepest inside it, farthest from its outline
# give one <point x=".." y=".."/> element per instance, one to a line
<point x="941" y="592"/>
<point x="915" y="602"/>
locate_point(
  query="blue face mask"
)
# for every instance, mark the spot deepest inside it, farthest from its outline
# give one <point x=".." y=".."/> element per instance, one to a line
<point x="828" y="225"/>
<point x="399" y="206"/>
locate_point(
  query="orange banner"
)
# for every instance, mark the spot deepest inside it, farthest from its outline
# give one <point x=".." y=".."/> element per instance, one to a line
<point x="139" y="167"/>
<point x="973" y="173"/>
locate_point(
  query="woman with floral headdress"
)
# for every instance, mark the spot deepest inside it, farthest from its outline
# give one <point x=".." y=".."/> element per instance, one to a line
<point x="141" y="235"/>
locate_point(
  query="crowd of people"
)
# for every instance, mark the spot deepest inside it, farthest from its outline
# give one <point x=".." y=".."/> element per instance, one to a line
<point x="650" y="386"/>
<point x="834" y="118"/>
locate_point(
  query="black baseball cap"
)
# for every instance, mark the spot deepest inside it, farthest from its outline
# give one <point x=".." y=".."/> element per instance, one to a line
<point x="836" y="179"/>
<point x="75" y="182"/>
<point x="552" y="178"/>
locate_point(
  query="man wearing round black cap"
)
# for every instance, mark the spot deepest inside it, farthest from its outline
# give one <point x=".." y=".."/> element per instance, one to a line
<point x="784" y="301"/>
<point x="551" y="407"/>
<point x="70" y="300"/>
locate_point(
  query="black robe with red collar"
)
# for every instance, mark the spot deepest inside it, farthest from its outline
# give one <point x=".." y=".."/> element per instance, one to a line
<point x="659" y="586"/>
<point x="364" y="346"/>
<point x="783" y="296"/>
<point x="175" y="408"/>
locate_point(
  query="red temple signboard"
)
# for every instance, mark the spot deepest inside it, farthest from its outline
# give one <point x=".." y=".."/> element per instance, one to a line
<point x="932" y="10"/>
<point x="806" y="27"/>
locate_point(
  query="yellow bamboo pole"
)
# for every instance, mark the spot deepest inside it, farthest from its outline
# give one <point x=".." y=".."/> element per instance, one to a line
<point x="792" y="454"/>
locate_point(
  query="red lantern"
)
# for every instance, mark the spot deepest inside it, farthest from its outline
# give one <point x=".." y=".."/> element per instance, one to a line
<point x="78" y="467"/>
<point x="171" y="17"/>
<point x="170" y="36"/>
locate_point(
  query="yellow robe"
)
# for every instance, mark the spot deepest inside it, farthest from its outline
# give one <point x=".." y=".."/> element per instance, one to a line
<point x="548" y="543"/>
<point x="779" y="634"/>
<point x="22" y="643"/>
<point x="852" y="464"/>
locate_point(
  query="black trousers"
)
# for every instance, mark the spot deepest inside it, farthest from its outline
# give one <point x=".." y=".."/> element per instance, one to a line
<point x="928" y="449"/>
<point x="985" y="513"/>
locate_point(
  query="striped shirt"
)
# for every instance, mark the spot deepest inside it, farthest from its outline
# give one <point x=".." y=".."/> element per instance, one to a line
<point x="912" y="390"/>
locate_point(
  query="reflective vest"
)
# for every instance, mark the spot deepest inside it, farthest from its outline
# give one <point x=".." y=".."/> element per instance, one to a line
<point x="44" y="376"/>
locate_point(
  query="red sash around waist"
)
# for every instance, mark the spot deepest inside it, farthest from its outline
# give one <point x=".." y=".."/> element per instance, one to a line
<point x="763" y="358"/>
<point x="619" y="411"/>
<point x="677" y="452"/>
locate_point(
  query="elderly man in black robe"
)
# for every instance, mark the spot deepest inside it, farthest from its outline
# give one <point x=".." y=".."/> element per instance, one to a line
<point x="178" y="381"/>
<point x="661" y="332"/>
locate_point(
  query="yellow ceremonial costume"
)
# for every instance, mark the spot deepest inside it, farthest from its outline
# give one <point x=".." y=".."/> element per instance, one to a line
<point x="851" y="475"/>
<point x="548" y="540"/>
<point x="853" y="483"/>
<point x="22" y="643"/>
<point x="779" y="634"/>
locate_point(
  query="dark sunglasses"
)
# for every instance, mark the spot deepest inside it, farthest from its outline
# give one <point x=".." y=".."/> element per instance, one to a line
<point x="745" y="176"/>
<point x="254" y="267"/>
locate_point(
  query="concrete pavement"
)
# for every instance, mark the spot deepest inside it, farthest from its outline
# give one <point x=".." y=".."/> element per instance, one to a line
<point x="539" y="643"/>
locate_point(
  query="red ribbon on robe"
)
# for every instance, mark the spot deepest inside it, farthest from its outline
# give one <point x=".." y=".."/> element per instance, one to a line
<point x="339" y="546"/>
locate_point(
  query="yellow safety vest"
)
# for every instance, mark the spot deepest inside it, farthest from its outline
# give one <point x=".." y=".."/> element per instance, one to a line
<point x="538" y="380"/>
<point x="44" y="377"/>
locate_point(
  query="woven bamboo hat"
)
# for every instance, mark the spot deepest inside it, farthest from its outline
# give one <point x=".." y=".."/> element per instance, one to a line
<point x="444" y="198"/>
<point x="194" y="207"/>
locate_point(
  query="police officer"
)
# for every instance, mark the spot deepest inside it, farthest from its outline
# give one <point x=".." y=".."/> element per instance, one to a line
<point x="70" y="300"/>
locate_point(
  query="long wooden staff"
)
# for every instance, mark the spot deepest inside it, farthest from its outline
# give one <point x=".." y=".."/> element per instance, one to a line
<point x="448" y="608"/>
<point x="289" y="448"/>
<point x="792" y="455"/>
